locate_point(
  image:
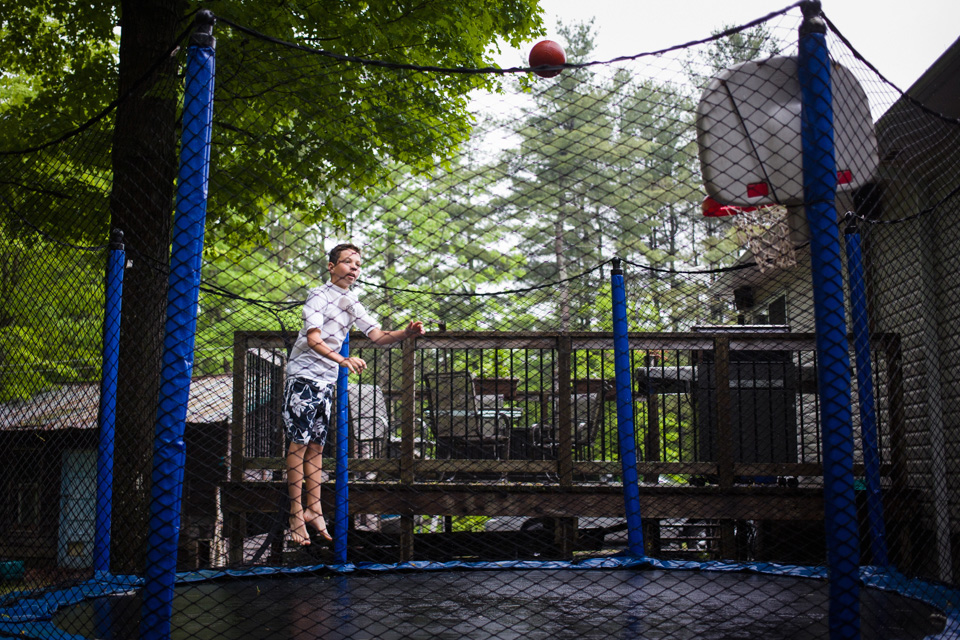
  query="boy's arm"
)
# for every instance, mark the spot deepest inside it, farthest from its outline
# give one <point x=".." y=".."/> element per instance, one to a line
<point x="381" y="337"/>
<point x="315" y="342"/>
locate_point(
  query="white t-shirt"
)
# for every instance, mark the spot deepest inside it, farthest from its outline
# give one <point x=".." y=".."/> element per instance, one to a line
<point x="333" y="311"/>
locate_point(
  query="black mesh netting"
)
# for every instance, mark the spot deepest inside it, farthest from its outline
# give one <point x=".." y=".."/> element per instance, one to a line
<point x="791" y="377"/>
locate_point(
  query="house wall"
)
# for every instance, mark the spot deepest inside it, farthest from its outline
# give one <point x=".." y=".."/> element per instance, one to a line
<point x="915" y="289"/>
<point x="78" y="504"/>
<point x="48" y="491"/>
<point x="795" y="285"/>
<point x="30" y="491"/>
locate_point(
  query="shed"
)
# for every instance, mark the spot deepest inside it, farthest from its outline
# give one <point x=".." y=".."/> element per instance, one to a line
<point x="48" y="486"/>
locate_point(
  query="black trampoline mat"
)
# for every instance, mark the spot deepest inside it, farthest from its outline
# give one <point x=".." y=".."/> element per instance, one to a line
<point x="539" y="603"/>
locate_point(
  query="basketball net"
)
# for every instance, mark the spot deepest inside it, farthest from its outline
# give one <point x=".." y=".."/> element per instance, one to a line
<point x="765" y="232"/>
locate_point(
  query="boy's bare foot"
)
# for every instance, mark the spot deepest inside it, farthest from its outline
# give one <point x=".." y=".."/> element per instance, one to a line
<point x="315" y="520"/>
<point x="298" y="531"/>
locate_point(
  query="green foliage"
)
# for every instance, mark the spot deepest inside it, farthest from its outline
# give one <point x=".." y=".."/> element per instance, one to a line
<point x="277" y="169"/>
<point x="428" y="233"/>
<point x="752" y="44"/>
<point x="470" y="523"/>
<point x="60" y="60"/>
<point x="594" y="178"/>
<point x="63" y="53"/>
<point x="54" y="338"/>
<point x="603" y="166"/>
<point x="432" y="524"/>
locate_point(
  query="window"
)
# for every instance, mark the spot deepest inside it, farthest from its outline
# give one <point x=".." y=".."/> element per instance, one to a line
<point x="773" y="313"/>
<point x="28" y="505"/>
<point x="777" y="311"/>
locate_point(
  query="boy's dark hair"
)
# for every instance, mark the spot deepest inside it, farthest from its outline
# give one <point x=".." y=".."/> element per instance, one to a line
<point x="340" y="248"/>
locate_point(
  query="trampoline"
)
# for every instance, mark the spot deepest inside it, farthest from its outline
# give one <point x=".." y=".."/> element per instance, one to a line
<point x="626" y="596"/>
<point x="602" y="598"/>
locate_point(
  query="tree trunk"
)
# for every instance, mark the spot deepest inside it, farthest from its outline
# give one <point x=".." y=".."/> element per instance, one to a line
<point x="141" y="202"/>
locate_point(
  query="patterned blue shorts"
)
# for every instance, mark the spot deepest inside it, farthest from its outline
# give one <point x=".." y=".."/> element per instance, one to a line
<point x="307" y="407"/>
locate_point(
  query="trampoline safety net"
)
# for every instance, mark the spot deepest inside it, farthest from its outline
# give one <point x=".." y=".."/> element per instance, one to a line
<point x="318" y="323"/>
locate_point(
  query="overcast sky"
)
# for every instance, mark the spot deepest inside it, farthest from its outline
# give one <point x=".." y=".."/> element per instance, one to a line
<point x="901" y="38"/>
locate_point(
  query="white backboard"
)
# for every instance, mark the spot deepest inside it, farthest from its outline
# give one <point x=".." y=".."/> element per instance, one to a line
<point x="748" y="133"/>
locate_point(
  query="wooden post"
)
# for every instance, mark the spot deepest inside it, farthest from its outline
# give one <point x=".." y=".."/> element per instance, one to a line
<point x="566" y="528"/>
<point x="239" y="403"/>
<point x="235" y="523"/>
<point x="407" y="434"/>
<point x="725" y="457"/>
<point x="565" y="535"/>
<point x="651" y="453"/>
<point x="564" y="421"/>
<point x="408" y="393"/>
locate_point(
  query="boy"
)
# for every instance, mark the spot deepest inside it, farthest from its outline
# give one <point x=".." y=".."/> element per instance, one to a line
<point x="312" y="371"/>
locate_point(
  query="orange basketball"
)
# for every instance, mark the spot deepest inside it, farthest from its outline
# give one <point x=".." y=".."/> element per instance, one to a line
<point x="547" y="53"/>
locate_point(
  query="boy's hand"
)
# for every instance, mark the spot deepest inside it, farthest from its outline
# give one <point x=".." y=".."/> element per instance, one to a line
<point x="353" y="364"/>
<point x="415" y="328"/>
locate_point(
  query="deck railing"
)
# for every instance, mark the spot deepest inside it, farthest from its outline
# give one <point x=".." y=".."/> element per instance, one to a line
<point x="709" y="407"/>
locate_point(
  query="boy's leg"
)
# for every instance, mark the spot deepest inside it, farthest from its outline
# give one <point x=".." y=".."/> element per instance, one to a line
<point x="312" y="461"/>
<point x="295" y="468"/>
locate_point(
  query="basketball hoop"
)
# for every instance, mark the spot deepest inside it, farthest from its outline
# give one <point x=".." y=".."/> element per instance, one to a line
<point x="765" y="232"/>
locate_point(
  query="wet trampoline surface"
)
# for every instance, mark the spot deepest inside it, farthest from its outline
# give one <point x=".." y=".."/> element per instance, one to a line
<point x="508" y="604"/>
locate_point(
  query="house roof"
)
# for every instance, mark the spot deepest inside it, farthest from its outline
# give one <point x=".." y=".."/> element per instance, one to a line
<point x="75" y="406"/>
<point x="904" y="132"/>
<point x="939" y="87"/>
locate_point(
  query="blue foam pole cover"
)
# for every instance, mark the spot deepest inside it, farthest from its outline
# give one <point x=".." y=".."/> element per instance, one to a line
<point x="868" y="412"/>
<point x="833" y="363"/>
<point x="169" y="454"/>
<point x="107" y="414"/>
<point x="341" y="479"/>
<point x="625" y="426"/>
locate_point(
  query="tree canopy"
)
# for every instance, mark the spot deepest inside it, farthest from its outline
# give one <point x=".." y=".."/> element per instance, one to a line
<point x="62" y="63"/>
<point x="65" y="62"/>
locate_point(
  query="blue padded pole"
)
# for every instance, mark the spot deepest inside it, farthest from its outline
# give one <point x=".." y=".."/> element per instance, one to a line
<point x="833" y="362"/>
<point x="868" y="413"/>
<point x="169" y="452"/>
<point x="625" y="428"/>
<point x="107" y="414"/>
<point x="341" y="485"/>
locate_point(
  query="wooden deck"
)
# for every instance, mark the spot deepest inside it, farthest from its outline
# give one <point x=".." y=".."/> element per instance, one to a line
<point x="565" y="504"/>
<point x="532" y="500"/>
<point x="413" y="485"/>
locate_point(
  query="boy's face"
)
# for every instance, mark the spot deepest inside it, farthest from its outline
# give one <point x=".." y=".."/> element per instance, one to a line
<point x="346" y="270"/>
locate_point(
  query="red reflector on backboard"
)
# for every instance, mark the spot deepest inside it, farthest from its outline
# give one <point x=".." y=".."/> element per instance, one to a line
<point x="758" y="190"/>
<point x="713" y="209"/>
<point x="845" y="176"/>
